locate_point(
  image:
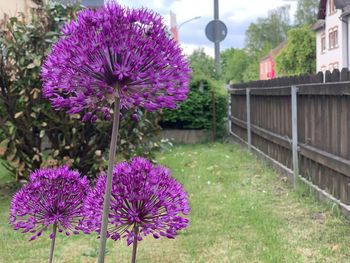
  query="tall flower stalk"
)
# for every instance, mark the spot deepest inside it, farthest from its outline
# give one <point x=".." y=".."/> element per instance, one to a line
<point x="114" y="55"/>
<point x="145" y="200"/>
<point x="107" y="195"/>
<point x="53" y="198"/>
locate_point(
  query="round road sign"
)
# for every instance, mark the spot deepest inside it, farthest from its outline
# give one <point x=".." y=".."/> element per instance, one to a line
<point x="221" y="31"/>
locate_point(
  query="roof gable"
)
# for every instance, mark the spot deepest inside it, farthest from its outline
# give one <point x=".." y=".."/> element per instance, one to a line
<point x="322" y="9"/>
<point x="339" y="4"/>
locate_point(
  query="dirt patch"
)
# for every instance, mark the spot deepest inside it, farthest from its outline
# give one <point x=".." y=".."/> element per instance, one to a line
<point x="320" y="217"/>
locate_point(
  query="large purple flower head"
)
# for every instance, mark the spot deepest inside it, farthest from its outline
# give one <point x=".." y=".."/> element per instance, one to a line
<point x="53" y="196"/>
<point x="143" y="196"/>
<point x="115" y="51"/>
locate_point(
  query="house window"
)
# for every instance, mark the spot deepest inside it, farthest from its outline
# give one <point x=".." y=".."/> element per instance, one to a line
<point x="333" y="37"/>
<point x="334" y="65"/>
<point x="331" y="7"/>
<point x="323" y="43"/>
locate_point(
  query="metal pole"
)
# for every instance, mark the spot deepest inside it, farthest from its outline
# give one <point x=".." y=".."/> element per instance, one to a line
<point x="214" y="115"/>
<point x="187" y="21"/>
<point x="217" y="35"/>
<point x="249" y="134"/>
<point x="294" y="91"/>
<point x="229" y="113"/>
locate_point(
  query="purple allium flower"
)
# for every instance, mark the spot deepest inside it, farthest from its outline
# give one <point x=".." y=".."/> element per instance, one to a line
<point x="144" y="196"/>
<point x="53" y="196"/>
<point x="115" y="51"/>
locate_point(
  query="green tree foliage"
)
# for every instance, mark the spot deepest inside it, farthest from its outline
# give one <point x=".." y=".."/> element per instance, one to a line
<point x="202" y="63"/>
<point x="33" y="134"/>
<point x="252" y="71"/>
<point x="234" y="65"/>
<point x="263" y="36"/>
<point x="197" y="112"/>
<point x="299" y="55"/>
<point x="306" y="13"/>
<point x="268" y="32"/>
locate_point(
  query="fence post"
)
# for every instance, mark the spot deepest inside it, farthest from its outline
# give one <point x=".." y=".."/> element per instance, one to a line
<point x="214" y="115"/>
<point x="229" y="113"/>
<point x="294" y="94"/>
<point x="249" y="134"/>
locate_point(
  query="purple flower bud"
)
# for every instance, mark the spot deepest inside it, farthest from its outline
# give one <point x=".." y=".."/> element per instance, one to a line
<point x="136" y="117"/>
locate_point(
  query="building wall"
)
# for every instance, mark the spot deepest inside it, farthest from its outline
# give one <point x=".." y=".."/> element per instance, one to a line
<point x="14" y="7"/>
<point x="266" y="69"/>
<point x="336" y="57"/>
<point x="88" y="3"/>
<point x="347" y="44"/>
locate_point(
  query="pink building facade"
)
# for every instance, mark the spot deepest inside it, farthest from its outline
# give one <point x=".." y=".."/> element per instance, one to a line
<point x="267" y="64"/>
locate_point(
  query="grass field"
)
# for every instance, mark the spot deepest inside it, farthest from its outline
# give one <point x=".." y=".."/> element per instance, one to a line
<point x="241" y="212"/>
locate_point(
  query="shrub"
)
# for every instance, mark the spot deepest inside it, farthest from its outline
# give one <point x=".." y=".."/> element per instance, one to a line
<point x="34" y="135"/>
<point x="197" y="111"/>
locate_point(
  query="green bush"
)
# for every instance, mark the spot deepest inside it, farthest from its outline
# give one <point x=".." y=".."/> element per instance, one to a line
<point x="33" y="134"/>
<point x="197" y="111"/>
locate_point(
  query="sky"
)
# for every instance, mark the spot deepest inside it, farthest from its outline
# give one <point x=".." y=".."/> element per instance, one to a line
<point x="237" y="15"/>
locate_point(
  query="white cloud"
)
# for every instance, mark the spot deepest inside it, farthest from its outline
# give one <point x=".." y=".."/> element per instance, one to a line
<point x="189" y="48"/>
<point x="236" y="14"/>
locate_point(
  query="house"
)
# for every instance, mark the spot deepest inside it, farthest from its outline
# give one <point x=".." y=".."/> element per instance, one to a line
<point x="87" y="3"/>
<point x="332" y="35"/>
<point x="11" y="8"/>
<point x="173" y="27"/>
<point x="14" y="7"/>
<point x="267" y="63"/>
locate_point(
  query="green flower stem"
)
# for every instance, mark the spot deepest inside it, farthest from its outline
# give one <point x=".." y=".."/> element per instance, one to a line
<point x="52" y="247"/>
<point x="134" y="247"/>
<point x="107" y="196"/>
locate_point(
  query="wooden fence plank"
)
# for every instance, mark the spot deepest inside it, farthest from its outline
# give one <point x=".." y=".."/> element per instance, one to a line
<point x="330" y="160"/>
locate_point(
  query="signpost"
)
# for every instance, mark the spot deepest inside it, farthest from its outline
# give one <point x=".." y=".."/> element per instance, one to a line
<point x="216" y="36"/>
<point x="216" y="31"/>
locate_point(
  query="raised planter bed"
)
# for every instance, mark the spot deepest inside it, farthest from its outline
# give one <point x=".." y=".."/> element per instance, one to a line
<point x="185" y="136"/>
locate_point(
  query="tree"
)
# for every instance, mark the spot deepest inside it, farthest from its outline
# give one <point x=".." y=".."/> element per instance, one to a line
<point x="201" y="62"/>
<point x="263" y="36"/>
<point x="32" y="133"/>
<point x="299" y="55"/>
<point x="197" y="111"/>
<point x="268" y="32"/>
<point x="234" y="64"/>
<point x="306" y="13"/>
<point x="252" y="71"/>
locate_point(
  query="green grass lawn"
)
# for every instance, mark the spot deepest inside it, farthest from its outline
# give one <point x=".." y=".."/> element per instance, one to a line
<point x="241" y="212"/>
<point x="5" y="176"/>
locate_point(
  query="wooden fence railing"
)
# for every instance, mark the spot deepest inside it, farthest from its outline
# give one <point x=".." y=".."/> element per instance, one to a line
<point x="262" y="117"/>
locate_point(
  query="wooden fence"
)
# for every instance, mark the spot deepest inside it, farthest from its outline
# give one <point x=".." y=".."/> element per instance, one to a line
<point x="263" y="115"/>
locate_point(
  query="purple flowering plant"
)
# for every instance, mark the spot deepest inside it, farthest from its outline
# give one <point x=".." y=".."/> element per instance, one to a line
<point x="145" y="200"/>
<point x="114" y="56"/>
<point x="53" y="197"/>
<point x="115" y="52"/>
